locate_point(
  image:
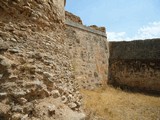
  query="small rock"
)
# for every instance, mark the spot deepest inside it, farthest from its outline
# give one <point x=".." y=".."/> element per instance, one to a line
<point x="47" y="62"/>
<point x="22" y="100"/>
<point x="4" y="109"/>
<point x="18" y="94"/>
<point x="25" y="117"/>
<point x="1" y="75"/>
<point x="13" y="40"/>
<point x="64" y="99"/>
<point x="17" y="109"/>
<point x="3" y="95"/>
<point x="39" y="71"/>
<point x="14" y="50"/>
<point x="55" y="93"/>
<point x="30" y="54"/>
<point x="5" y="62"/>
<point x="32" y="69"/>
<point x="13" y="77"/>
<point x="48" y="44"/>
<point x="51" y="110"/>
<point x="16" y="116"/>
<point x="72" y="105"/>
<point x="70" y="97"/>
<point x="31" y="60"/>
<point x="38" y="56"/>
<point x="28" y="107"/>
<point x="47" y="75"/>
<point x="47" y="93"/>
<point x="3" y="46"/>
<point x="78" y="104"/>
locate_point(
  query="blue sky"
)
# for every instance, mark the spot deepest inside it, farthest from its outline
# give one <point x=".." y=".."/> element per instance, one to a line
<point x="123" y="19"/>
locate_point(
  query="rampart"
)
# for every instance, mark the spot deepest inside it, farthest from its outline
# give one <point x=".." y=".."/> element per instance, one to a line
<point x="135" y="64"/>
<point x="89" y="52"/>
<point x="35" y="64"/>
<point x="44" y="62"/>
<point x="47" y="55"/>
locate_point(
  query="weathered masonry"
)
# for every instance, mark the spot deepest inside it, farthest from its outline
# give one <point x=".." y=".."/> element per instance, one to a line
<point x="135" y="64"/>
<point x="88" y="47"/>
<point x="35" y="63"/>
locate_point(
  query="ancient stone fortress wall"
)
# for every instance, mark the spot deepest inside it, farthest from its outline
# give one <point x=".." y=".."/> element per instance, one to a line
<point x="42" y="12"/>
<point x="89" y="52"/>
<point x="36" y="80"/>
<point x="135" y="64"/>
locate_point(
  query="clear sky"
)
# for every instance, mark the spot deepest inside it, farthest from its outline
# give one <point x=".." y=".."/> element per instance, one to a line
<point x="123" y="19"/>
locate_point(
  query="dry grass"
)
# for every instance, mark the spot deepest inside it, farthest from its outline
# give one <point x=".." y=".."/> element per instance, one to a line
<point x="115" y="104"/>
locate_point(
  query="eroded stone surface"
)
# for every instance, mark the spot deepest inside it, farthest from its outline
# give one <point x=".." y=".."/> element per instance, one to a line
<point x="35" y="64"/>
<point x="136" y="65"/>
<point x="44" y="63"/>
<point x="89" y="54"/>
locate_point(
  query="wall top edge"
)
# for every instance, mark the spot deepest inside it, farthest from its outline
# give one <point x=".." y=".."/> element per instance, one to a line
<point x="85" y="28"/>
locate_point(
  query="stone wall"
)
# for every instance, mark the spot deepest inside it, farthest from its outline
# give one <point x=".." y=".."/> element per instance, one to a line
<point x="44" y="60"/>
<point x="135" y="64"/>
<point x="89" y="52"/>
<point x="71" y="17"/>
<point x="44" y="13"/>
<point x="35" y="65"/>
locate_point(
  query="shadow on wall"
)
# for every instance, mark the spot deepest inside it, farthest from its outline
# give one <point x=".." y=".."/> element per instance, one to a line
<point x="135" y="65"/>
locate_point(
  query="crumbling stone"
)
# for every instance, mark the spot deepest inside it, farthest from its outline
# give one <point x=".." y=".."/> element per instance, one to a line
<point x="64" y="99"/>
<point x="72" y="105"/>
<point x="37" y="71"/>
<point x="55" y="93"/>
<point x="16" y="116"/>
<point x="135" y="65"/>
<point x="72" y="17"/>
<point x="22" y="100"/>
<point x="14" y="50"/>
<point x="51" y="110"/>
